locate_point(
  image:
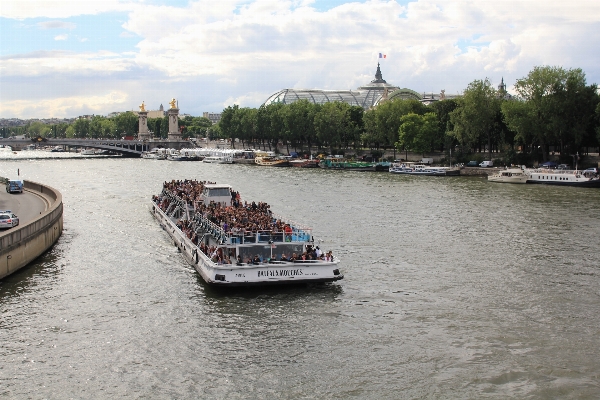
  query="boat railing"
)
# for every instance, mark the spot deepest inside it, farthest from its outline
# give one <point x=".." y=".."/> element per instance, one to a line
<point x="203" y="225"/>
<point x="292" y="223"/>
<point x="556" y="171"/>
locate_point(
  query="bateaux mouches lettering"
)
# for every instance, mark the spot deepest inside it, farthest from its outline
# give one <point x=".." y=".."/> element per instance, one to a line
<point x="280" y="272"/>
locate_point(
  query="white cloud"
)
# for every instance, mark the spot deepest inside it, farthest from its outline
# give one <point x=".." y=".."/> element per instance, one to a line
<point x="56" y="25"/>
<point x="241" y="52"/>
<point x="61" y="37"/>
<point x="66" y="106"/>
<point x="246" y="99"/>
<point x="61" y="62"/>
<point x="23" y="9"/>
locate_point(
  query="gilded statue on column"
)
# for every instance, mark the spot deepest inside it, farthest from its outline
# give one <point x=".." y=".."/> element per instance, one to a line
<point x="142" y="107"/>
<point x="173" y="103"/>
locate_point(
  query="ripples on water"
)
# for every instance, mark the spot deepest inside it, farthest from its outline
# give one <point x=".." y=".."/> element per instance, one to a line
<point x="454" y="288"/>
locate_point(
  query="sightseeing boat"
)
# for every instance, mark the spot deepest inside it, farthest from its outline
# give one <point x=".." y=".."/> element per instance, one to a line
<point x="409" y="168"/>
<point x="226" y="256"/>
<point x="246" y="156"/>
<point x="563" y="177"/>
<point x="223" y="159"/>
<point x="155" y="154"/>
<point x="183" y="155"/>
<point x="510" y="175"/>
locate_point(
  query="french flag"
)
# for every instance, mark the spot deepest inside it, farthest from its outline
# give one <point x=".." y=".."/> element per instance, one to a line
<point x="382" y="55"/>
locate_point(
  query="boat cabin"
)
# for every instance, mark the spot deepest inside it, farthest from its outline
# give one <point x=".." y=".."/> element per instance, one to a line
<point x="217" y="193"/>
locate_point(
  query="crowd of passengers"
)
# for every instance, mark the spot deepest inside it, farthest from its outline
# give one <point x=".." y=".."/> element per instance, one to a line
<point x="311" y="253"/>
<point x="236" y="219"/>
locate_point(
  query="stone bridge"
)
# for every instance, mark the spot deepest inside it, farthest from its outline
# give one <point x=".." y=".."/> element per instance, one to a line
<point x="127" y="148"/>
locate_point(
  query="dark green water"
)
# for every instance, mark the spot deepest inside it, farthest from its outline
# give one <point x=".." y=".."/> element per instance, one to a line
<point x="454" y="288"/>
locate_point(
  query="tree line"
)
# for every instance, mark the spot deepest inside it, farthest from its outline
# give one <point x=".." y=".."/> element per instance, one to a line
<point x="98" y="126"/>
<point x="554" y="110"/>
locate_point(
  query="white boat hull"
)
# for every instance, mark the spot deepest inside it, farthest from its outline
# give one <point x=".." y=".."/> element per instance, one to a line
<point x="562" y="178"/>
<point x="218" y="160"/>
<point x="509" y="176"/>
<point x="234" y="275"/>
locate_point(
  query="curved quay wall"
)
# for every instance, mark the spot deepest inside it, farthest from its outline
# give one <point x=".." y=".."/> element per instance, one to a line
<point x="23" y="244"/>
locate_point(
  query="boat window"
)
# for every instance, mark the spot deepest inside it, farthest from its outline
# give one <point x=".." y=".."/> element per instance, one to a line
<point x="217" y="192"/>
<point x="264" y="252"/>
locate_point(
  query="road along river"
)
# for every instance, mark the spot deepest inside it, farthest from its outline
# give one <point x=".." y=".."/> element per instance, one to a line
<point x="454" y="288"/>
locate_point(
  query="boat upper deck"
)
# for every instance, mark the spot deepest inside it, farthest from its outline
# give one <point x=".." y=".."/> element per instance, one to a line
<point x="230" y="222"/>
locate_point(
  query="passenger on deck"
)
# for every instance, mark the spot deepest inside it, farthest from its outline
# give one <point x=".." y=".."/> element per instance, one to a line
<point x="256" y="260"/>
<point x="329" y="256"/>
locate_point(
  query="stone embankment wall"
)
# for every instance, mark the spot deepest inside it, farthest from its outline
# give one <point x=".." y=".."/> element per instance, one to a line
<point x="478" y="171"/>
<point x="24" y="243"/>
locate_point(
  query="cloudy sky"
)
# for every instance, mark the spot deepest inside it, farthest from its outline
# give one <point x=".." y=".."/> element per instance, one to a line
<point x="69" y="58"/>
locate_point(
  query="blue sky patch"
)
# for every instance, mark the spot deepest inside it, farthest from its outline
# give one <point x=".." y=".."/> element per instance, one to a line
<point x="79" y="34"/>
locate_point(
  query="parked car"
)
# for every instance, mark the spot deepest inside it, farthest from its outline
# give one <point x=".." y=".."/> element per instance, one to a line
<point x="472" y="164"/>
<point x="563" y="166"/>
<point x="485" y="164"/>
<point x="8" y="219"/>
<point x="14" y="186"/>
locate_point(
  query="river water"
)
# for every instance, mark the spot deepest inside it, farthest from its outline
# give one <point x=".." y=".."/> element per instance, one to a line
<point x="454" y="288"/>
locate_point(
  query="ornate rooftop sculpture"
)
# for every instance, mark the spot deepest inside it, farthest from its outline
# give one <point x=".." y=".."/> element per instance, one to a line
<point x="378" y="76"/>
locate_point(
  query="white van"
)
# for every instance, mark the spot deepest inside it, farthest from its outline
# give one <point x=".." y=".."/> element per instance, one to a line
<point x="485" y="164"/>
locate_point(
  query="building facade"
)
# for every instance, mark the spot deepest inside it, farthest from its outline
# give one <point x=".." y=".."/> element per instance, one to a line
<point x="212" y="117"/>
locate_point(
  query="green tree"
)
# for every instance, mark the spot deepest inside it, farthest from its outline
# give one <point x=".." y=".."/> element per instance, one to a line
<point x="247" y="127"/>
<point x="98" y="125"/>
<point x="598" y="123"/>
<point x="442" y="111"/>
<point x="556" y="108"/>
<point x="127" y="124"/>
<point x="299" y="122"/>
<point x="417" y="132"/>
<point x="38" y="128"/>
<point x="155" y="126"/>
<point x="331" y="124"/>
<point x="270" y="124"/>
<point x="230" y="121"/>
<point x="474" y="118"/>
<point x="353" y="133"/>
<point x="370" y="136"/>
<point x="70" y="131"/>
<point x="81" y="128"/>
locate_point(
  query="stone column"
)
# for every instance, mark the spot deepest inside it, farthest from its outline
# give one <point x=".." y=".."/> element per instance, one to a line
<point x="143" y="133"/>
<point x="174" y="134"/>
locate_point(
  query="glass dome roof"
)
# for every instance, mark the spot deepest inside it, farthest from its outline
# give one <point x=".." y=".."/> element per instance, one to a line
<point x="365" y="96"/>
